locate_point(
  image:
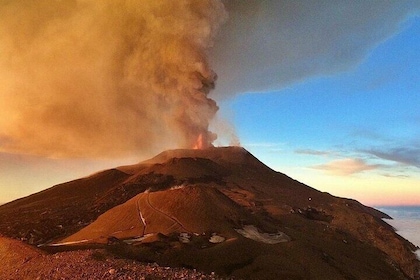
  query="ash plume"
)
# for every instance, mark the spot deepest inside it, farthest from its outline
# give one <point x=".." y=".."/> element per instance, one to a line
<point x="267" y="45"/>
<point x="116" y="77"/>
<point x="105" y="78"/>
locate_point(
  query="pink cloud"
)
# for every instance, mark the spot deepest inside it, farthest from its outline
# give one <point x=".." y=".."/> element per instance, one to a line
<point x="347" y="166"/>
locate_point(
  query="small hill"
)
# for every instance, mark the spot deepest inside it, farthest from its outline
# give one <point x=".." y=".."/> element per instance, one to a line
<point x="217" y="209"/>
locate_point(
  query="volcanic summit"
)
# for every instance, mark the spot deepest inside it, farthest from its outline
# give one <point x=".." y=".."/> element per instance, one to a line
<point x="215" y="210"/>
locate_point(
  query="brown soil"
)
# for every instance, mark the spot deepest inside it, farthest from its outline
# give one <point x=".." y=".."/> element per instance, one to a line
<point x="217" y="190"/>
<point x="22" y="262"/>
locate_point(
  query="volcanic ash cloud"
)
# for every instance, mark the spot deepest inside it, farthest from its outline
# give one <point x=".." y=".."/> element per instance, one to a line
<point x="89" y="78"/>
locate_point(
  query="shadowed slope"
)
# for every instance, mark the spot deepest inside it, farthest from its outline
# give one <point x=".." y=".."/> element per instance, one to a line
<point x="221" y="194"/>
<point x="58" y="210"/>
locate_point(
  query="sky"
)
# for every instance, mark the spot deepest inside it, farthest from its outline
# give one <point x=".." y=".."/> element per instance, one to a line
<point x="354" y="133"/>
<point x="326" y="92"/>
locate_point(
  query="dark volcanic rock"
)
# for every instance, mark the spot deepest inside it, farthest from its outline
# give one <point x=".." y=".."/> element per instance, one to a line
<point x="262" y="224"/>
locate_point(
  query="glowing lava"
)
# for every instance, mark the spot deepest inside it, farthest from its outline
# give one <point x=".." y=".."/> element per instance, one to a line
<point x="199" y="143"/>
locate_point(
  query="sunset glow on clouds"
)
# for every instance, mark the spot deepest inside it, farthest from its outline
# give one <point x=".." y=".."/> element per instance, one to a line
<point x="346" y="166"/>
<point x="324" y="91"/>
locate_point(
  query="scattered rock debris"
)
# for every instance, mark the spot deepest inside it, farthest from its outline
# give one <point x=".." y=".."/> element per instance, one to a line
<point x="95" y="264"/>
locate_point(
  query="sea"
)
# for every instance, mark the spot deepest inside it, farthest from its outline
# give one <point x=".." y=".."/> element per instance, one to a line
<point x="406" y="221"/>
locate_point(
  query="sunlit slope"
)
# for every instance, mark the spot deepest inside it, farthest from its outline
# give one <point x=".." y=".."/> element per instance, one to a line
<point x="192" y="210"/>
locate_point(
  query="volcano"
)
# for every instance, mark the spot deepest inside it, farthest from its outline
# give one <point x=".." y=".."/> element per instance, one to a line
<point x="215" y="210"/>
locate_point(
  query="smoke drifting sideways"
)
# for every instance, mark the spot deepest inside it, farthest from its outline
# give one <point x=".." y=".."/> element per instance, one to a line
<point x="116" y="77"/>
<point x="87" y="78"/>
<point x="267" y="45"/>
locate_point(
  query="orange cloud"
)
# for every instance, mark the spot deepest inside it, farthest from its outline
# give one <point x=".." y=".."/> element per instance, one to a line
<point x="105" y="78"/>
<point x="347" y="166"/>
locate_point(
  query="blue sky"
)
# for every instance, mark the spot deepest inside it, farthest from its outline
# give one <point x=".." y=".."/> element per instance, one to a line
<point x="369" y="114"/>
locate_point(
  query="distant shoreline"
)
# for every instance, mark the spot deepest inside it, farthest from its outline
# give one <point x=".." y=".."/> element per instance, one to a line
<point x="406" y="221"/>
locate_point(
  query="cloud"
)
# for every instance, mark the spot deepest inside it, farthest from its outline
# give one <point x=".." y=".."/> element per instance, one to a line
<point x="312" y="152"/>
<point x="404" y="155"/>
<point x="269" y="44"/>
<point x="401" y="176"/>
<point x="106" y="78"/>
<point x="347" y="166"/>
<point x="368" y="134"/>
<point x="118" y="77"/>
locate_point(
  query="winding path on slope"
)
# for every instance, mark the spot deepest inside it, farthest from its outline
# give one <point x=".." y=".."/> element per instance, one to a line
<point x="147" y="219"/>
<point x="174" y="219"/>
<point x="141" y="218"/>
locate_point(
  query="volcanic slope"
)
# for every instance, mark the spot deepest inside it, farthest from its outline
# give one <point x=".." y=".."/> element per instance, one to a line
<point x="217" y="209"/>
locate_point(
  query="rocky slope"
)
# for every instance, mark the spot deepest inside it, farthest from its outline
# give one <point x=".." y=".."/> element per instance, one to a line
<point x="218" y="209"/>
<point x="20" y="262"/>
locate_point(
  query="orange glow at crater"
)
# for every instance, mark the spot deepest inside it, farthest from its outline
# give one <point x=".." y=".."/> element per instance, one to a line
<point x="199" y="143"/>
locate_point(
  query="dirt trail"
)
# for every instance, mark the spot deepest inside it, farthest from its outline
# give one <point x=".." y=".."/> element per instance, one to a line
<point x="165" y="214"/>
<point x="141" y="218"/>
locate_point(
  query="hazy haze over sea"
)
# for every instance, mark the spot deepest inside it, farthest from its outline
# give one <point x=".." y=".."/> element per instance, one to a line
<point x="406" y="221"/>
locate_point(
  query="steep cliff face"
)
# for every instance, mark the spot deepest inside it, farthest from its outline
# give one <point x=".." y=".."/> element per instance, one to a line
<point x="217" y="209"/>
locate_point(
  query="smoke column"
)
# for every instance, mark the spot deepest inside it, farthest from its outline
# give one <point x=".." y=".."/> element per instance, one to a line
<point x="106" y="78"/>
<point x="115" y="77"/>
